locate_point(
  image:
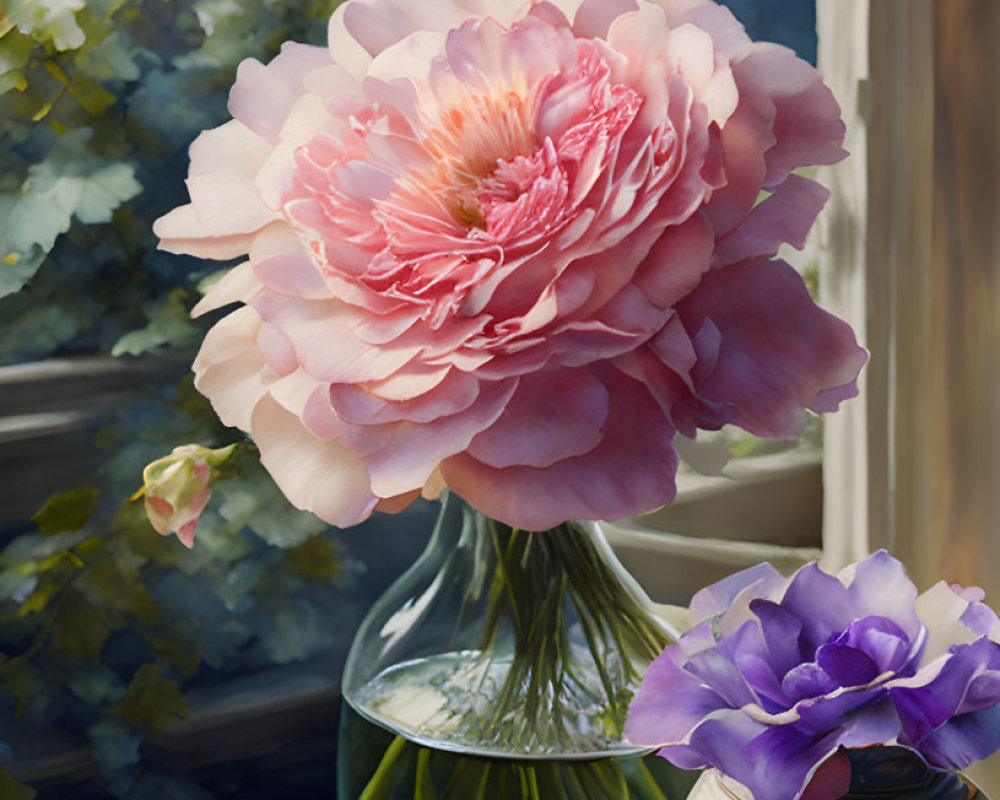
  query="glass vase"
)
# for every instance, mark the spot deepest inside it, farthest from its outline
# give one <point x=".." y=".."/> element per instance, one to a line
<point x="876" y="773"/>
<point x="501" y="665"/>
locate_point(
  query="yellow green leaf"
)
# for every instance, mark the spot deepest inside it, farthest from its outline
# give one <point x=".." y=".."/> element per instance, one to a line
<point x="119" y="588"/>
<point x="80" y="628"/>
<point x="153" y="701"/>
<point x="19" y="680"/>
<point x="67" y="511"/>
<point x="10" y="789"/>
<point x="315" y="558"/>
<point x="90" y="94"/>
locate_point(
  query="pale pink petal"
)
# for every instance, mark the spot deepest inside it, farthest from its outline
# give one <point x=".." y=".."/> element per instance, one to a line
<point x="181" y="231"/>
<point x="453" y="392"/>
<point x="553" y="415"/>
<point x="262" y="96"/>
<point x="283" y="265"/>
<point x="277" y="349"/>
<point x="726" y="31"/>
<point x="224" y="164"/>
<point x="413" y="381"/>
<point x="413" y="452"/>
<point x="238" y="285"/>
<point x="594" y="17"/>
<point x="378" y="25"/>
<point x="324" y="334"/>
<point x="317" y="476"/>
<point x="345" y="49"/>
<point x="229" y="369"/>
<point x="630" y="472"/>
<point x="293" y="391"/>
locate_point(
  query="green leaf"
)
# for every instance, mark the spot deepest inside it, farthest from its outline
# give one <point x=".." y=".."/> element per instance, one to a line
<point x="51" y="20"/>
<point x="153" y="701"/>
<point x="71" y="181"/>
<point x="109" y="60"/>
<point x="169" y="325"/>
<point x="92" y="96"/>
<point x="31" y="552"/>
<point x="19" y="679"/>
<point x="15" y="51"/>
<point x="89" y="186"/>
<point x="67" y="511"/>
<point x="16" y="269"/>
<point x="315" y="558"/>
<point x="10" y="789"/>
<point x="44" y="591"/>
<point x="80" y="627"/>
<point x="120" y="589"/>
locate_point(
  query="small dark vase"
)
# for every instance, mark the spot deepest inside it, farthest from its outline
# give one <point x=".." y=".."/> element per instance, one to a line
<point x="900" y="772"/>
<point x="877" y="773"/>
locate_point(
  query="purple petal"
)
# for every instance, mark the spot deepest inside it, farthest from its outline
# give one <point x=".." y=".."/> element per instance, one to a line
<point x="715" y="667"/>
<point x="846" y="666"/>
<point x="821" y="602"/>
<point x="963" y="739"/>
<point x="781" y="630"/>
<point x="805" y="681"/>
<point x="715" y="599"/>
<point x="980" y="618"/>
<point x="881" y="639"/>
<point x="881" y="586"/>
<point x="669" y="703"/>
<point x="924" y="707"/>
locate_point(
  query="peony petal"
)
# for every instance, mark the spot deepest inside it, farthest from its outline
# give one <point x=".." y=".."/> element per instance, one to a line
<point x="940" y="610"/>
<point x="676" y="262"/>
<point x="325" y="337"/>
<point x="263" y="96"/>
<point x="786" y="216"/>
<point x="413" y="452"/>
<point x="282" y="264"/>
<point x="317" y="476"/>
<point x="446" y="392"/>
<point x="345" y="50"/>
<point x="631" y="471"/>
<point x="230" y="371"/>
<point x="181" y="231"/>
<point x="807" y="127"/>
<point x="778" y="348"/>
<point x="594" y="17"/>
<point x="554" y="414"/>
<point x="238" y="285"/>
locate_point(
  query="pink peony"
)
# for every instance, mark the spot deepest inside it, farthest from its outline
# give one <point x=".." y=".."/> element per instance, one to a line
<point x="512" y="249"/>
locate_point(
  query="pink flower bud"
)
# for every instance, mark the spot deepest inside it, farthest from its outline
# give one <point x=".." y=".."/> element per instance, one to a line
<point x="178" y="486"/>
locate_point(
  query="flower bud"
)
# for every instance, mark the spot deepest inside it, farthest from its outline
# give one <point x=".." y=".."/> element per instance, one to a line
<point x="177" y="488"/>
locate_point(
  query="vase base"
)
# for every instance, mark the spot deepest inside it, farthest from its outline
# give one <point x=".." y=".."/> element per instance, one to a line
<point x="374" y="764"/>
<point x="446" y="701"/>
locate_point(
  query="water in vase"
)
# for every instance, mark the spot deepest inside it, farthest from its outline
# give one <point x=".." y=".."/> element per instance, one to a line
<point x="376" y="764"/>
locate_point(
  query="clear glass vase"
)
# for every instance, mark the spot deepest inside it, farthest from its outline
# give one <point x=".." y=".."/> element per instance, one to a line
<point x="501" y="659"/>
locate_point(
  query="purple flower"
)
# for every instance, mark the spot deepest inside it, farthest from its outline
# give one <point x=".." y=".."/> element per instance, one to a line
<point x="778" y="673"/>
